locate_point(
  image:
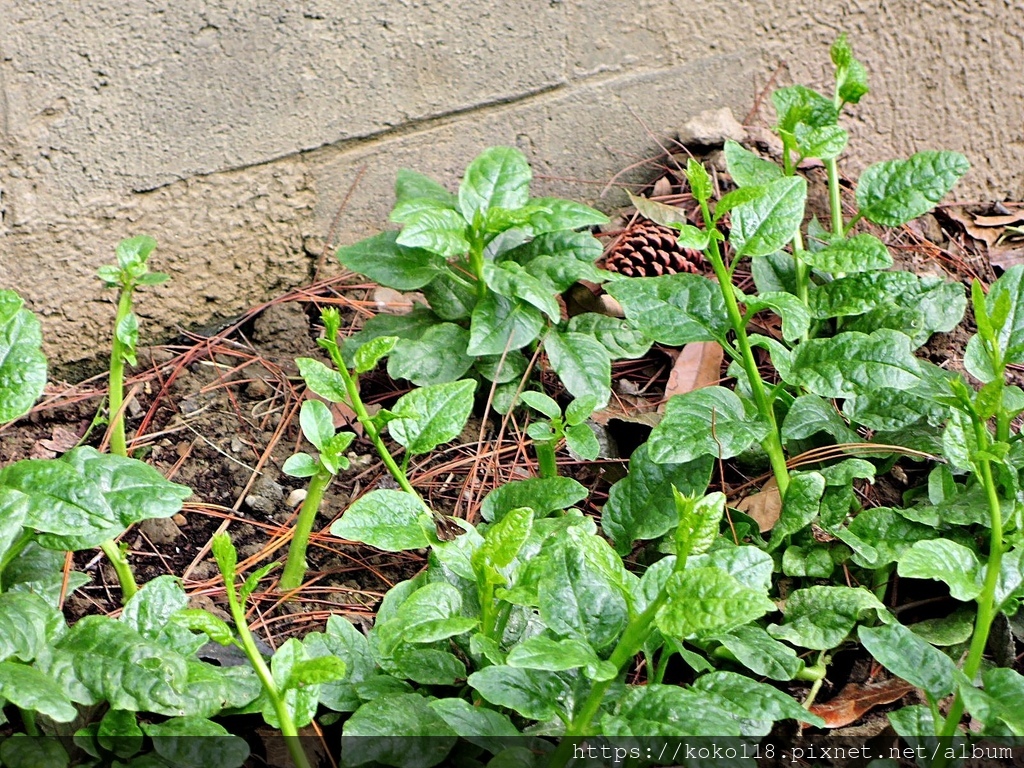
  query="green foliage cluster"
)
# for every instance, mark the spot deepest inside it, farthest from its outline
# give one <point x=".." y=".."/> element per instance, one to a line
<point x="530" y="623"/>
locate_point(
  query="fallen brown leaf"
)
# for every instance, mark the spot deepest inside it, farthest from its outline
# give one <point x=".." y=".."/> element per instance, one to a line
<point x="856" y="699"/>
<point x="765" y="506"/>
<point x="61" y="440"/>
<point x="699" y="364"/>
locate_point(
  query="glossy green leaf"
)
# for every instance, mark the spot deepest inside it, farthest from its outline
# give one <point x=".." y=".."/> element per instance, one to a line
<point x="795" y="318"/>
<point x="812" y="562"/>
<point x="437" y="357"/>
<point x="582" y="363"/>
<point x="499" y="324"/>
<point x="750" y="566"/>
<point x="382" y="259"/>
<point x="30" y="689"/>
<point x="371" y="353"/>
<point x="300" y="701"/>
<point x="908" y="656"/>
<point x="22" y="363"/>
<point x="385" y="519"/>
<point x="316" y="422"/>
<point x="399" y="730"/>
<point x="675" y="218"/>
<point x="673" y="309"/>
<point x="26" y="623"/>
<point x="560" y="273"/>
<point x="150" y="611"/>
<point x="748" y="699"/>
<point x="799" y="505"/>
<point x="809" y="415"/>
<point x="826" y="142"/>
<point x="774" y="272"/>
<point x="506" y="537"/>
<point x="1007" y="292"/>
<point x="562" y="246"/>
<point x="195" y="742"/>
<point x="429" y="416"/>
<point x="324" y="381"/>
<point x="542" y="403"/>
<point x="946" y="561"/>
<point x="543" y="495"/>
<point x="822" y="617"/>
<point x="748" y="169"/>
<point x="767" y="223"/>
<point x="759" y="652"/>
<point x="896" y="191"/>
<point x="622" y="341"/>
<point x="300" y="465"/>
<point x="342" y="640"/>
<point x="449" y="297"/>
<point x="860" y="253"/>
<point x="954" y="629"/>
<point x="23" y="751"/>
<point x="889" y="535"/>
<point x="502" y="369"/>
<point x="441" y="231"/>
<point x="851" y="77"/>
<point x="557" y="214"/>
<point x="797" y="104"/>
<point x="499" y="177"/>
<point x="582" y="442"/>
<point x="514" y="282"/>
<point x="127" y="332"/>
<point x="547" y="653"/>
<point x="667" y="711"/>
<point x="481" y="726"/>
<point x="410" y="185"/>
<point x="707" y="601"/>
<point x="699" y="521"/>
<point x="700" y="181"/>
<point x="708" y="421"/>
<point x="536" y="694"/>
<point x="851" y="363"/>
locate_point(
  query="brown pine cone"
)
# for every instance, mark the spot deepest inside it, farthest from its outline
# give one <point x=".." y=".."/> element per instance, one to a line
<point x="647" y="249"/>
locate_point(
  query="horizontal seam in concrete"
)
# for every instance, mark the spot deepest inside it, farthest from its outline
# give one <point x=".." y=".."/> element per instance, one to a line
<point x="422" y="125"/>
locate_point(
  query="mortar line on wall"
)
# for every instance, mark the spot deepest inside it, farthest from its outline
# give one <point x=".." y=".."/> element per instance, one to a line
<point x="422" y="125"/>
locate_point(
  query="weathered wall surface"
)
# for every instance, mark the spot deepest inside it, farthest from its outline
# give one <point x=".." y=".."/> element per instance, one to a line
<point x="232" y="131"/>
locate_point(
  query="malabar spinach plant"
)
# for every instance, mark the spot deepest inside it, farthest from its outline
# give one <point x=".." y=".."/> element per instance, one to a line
<point x="539" y="616"/>
<point x="130" y="272"/>
<point x="965" y="531"/>
<point x="491" y="263"/>
<point x="419" y="421"/>
<point x="570" y="426"/>
<point x="317" y="425"/>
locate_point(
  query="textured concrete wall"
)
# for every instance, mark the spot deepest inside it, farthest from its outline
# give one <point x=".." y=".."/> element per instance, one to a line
<point x="232" y="131"/>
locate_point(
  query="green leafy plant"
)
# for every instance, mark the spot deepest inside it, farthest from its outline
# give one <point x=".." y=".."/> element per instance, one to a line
<point x="130" y="272"/>
<point x="291" y="682"/>
<point x="491" y="262"/>
<point x="571" y="427"/>
<point x="419" y="421"/>
<point x="318" y="428"/>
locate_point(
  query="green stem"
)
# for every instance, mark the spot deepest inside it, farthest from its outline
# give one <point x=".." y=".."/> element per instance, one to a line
<point x="370" y="427"/>
<point x="284" y="717"/>
<point x="659" y="673"/>
<point x="115" y="396"/>
<point x="125" y="577"/>
<point x="834" y="199"/>
<point x="28" y="719"/>
<point x="476" y="263"/>
<point x="817" y="679"/>
<point x="772" y="443"/>
<point x="986" y="601"/>
<point x="546" y="462"/>
<point x="295" y="566"/>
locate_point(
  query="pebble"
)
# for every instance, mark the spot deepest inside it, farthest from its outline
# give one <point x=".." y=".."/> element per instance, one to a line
<point x="711" y="128"/>
<point x="160" y="530"/>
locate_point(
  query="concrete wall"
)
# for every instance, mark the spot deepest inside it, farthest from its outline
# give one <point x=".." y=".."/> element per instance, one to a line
<point x="232" y="131"/>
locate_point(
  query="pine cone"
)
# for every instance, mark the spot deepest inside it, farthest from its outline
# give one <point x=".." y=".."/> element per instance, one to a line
<point x="647" y="249"/>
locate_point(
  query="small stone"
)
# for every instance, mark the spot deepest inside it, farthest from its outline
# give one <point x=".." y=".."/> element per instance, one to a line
<point x="265" y="497"/>
<point x="160" y="530"/>
<point x="712" y="128"/>
<point x="258" y="389"/>
<point x="179" y="520"/>
<point x="296" y="497"/>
